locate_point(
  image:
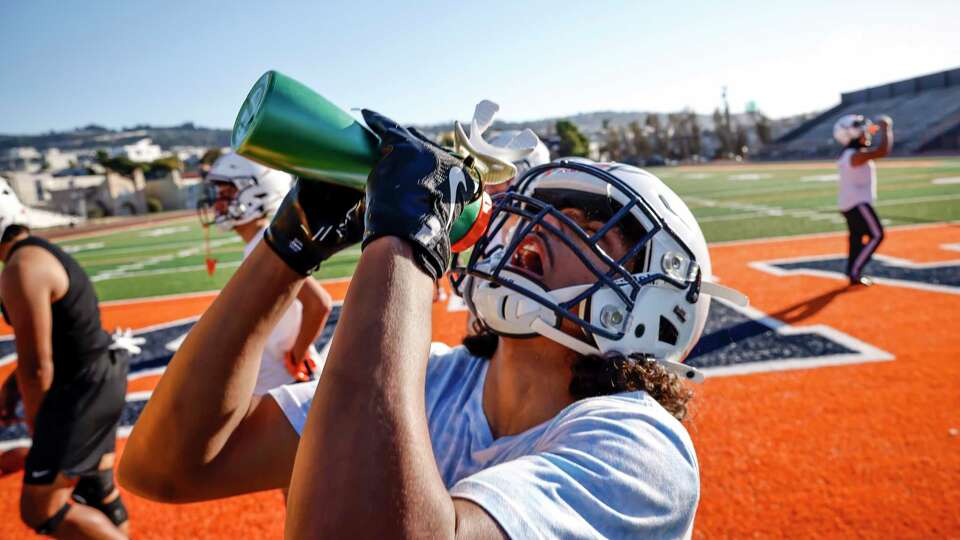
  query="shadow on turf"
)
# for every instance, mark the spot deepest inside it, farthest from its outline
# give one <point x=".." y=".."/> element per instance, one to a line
<point x="805" y="309"/>
<point x="743" y="332"/>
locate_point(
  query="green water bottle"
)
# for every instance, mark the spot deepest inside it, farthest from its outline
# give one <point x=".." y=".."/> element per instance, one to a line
<point x="285" y="125"/>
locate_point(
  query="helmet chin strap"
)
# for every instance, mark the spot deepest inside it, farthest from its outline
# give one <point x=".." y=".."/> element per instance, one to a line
<point x="681" y="370"/>
<point x="734" y="296"/>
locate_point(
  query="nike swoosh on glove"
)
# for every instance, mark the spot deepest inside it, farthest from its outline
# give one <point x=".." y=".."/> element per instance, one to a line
<point x="416" y="191"/>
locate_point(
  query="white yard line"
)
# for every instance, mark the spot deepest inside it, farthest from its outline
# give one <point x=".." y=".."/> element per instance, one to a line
<point x="107" y="251"/>
<point x="180" y="296"/>
<point x="160" y="271"/>
<point x="784" y="238"/>
<point x="820" y="213"/>
<point x="762" y="210"/>
<point x="77" y="248"/>
<point x="126" y="270"/>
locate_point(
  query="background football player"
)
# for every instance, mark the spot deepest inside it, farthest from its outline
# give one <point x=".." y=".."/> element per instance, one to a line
<point x="241" y="196"/>
<point x="858" y="187"/>
<point x="72" y="380"/>
<point x="567" y="425"/>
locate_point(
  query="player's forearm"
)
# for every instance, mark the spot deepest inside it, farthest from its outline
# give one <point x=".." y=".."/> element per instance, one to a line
<point x="365" y="456"/>
<point x="207" y="388"/>
<point x="34" y="377"/>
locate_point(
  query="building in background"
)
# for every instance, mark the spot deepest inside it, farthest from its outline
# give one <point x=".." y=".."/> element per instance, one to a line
<point x="140" y="151"/>
<point x="82" y="195"/>
<point x="174" y="191"/>
<point x="22" y="159"/>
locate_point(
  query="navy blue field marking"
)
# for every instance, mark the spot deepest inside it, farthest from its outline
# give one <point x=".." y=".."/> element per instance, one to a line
<point x="161" y="342"/>
<point x="739" y="341"/>
<point x="735" y="341"/>
<point x="942" y="276"/>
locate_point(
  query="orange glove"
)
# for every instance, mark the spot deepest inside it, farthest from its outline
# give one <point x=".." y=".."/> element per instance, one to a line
<point x="300" y="370"/>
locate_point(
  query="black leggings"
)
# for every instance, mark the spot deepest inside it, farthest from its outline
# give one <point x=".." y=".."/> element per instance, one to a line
<point x="863" y="222"/>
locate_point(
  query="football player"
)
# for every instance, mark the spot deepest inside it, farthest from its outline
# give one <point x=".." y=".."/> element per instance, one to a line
<point x="72" y="382"/>
<point x="566" y="420"/>
<point x="242" y="196"/>
<point x="858" y="187"/>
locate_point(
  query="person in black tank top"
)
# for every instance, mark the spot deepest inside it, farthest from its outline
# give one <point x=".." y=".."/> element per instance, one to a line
<point x="73" y="388"/>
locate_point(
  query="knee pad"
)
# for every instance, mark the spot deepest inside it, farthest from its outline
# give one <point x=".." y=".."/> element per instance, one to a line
<point x="115" y="511"/>
<point x="92" y="489"/>
<point x="49" y="527"/>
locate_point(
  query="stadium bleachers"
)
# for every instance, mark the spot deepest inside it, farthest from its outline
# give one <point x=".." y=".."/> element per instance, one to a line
<point x="923" y="108"/>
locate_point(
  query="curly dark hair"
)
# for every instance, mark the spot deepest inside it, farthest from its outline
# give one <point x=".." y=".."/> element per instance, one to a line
<point x="605" y="374"/>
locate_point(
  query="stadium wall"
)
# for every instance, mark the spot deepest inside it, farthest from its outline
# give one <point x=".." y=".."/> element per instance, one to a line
<point x="926" y="111"/>
<point x="933" y="81"/>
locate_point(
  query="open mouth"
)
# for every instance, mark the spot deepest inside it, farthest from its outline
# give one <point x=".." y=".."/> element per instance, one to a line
<point x="529" y="257"/>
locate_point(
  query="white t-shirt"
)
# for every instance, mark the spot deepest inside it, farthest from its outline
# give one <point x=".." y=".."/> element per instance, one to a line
<point x="273" y="372"/>
<point x="858" y="185"/>
<point x="615" y="466"/>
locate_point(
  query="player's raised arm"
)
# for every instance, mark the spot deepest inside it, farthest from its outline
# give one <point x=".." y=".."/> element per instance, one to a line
<point x="201" y="433"/>
<point x="317" y="306"/>
<point x="881" y="149"/>
<point x="365" y="458"/>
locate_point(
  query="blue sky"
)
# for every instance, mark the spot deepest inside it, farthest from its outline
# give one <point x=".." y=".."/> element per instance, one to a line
<point x="120" y="63"/>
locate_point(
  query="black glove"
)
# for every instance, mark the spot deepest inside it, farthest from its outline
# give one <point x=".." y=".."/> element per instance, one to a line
<point x="416" y="192"/>
<point x="315" y="220"/>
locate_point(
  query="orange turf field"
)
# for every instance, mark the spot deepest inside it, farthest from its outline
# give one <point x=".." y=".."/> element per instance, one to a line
<point x="857" y="451"/>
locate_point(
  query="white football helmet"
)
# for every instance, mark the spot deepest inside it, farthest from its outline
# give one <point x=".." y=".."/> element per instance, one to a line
<point x="658" y="309"/>
<point x="12" y="211"/>
<point x="259" y="192"/>
<point x="522" y="139"/>
<point x="849" y="128"/>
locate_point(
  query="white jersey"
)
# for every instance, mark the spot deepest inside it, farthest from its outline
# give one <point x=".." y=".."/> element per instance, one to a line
<point x="616" y="466"/>
<point x="858" y="185"/>
<point x="273" y="372"/>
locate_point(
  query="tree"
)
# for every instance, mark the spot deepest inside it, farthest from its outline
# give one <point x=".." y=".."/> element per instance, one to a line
<point x="641" y="143"/>
<point x="695" y="144"/>
<point x="166" y="164"/>
<point x="683" y="130"/>
<point x="740" y="141"/>
<point x="572" y="142"/>
<point x="210" y="156"/>
<point x="724" y="134"/>
<point x="661" y="141"/>
<point x="613" y="146"/>
<point x="762" y="126"/>
<point x="677" y="144"/>
<point x="120" y="164"/>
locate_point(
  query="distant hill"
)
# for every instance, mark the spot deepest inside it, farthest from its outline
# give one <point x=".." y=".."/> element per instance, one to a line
<point x="93" y="136"/>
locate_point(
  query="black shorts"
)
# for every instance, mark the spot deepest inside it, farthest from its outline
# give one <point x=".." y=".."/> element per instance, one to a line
<point x="77" y="421"/>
